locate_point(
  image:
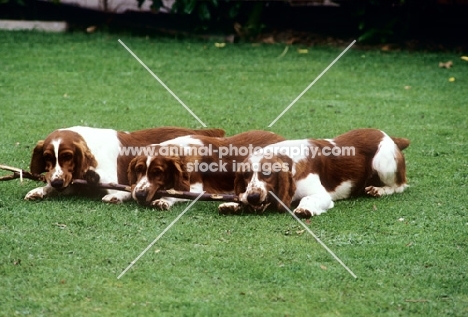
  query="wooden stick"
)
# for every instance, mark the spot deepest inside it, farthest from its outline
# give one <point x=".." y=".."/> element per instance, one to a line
<point x="164" y="193"/>
<point x="20" y="173"/>
<point x="192" y="196"/>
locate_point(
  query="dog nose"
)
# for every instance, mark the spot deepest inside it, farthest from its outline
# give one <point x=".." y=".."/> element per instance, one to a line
<point x="57" y="183"/>
<point x="140" y="195"/>
<point x="253" y="198"/>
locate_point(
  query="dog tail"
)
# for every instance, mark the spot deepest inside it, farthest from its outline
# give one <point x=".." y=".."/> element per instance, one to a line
<point x="402" y="143"/>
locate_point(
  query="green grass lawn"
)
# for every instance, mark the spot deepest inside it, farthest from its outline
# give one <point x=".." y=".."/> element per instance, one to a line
<point x="62" y="256"/>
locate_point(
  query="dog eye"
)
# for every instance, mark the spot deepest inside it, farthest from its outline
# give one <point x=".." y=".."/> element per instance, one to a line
<point x="48" y="157"/>
<point x="140" y="168"/>
<point x="156" y="171"/>
<point x="247" y="174"/>
<point x="66" y="156"/>
<point x="266" y="174"/>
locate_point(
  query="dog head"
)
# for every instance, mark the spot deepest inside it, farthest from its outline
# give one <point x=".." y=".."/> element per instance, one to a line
<point x="64" y="156"/>
<point x="148" y="174"/>
<point x="257" y="176"/>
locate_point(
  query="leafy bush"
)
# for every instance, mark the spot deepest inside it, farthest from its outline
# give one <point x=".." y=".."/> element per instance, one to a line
<point x="218" y="14"/>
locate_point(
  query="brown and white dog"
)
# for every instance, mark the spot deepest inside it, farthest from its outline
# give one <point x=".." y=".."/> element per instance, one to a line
<point x="317" y="172"/>
<point x="193" y="163"/>
<point x="95" y="155"/>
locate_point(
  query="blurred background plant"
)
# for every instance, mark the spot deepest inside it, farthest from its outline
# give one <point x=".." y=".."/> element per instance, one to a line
<point x="369" y="21"/>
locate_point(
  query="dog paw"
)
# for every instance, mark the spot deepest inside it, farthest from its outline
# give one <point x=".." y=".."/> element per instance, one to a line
<point x="303" y="213"/>
<point x="112" y="199"/>
<point x="92" y="177"/>
<point x="374" y="191"/>
<point x="229" y="208"/>
<point x="160" y="204"/>
<point x="35" y="194"/>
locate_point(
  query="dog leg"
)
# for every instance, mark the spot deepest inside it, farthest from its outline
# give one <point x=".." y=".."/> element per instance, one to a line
<point x="116" y="197"/>
<point x="385" y="190"/>
<point x="313" y="205"/>
<point x="229" y="208"/>
<point x="389" y="164"/>
<point x="35" y="194"/>
<point x="44" y="192"/>
<point x="164" y="203"/>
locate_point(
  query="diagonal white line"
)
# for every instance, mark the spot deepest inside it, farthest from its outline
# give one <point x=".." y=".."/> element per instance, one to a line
<point x="160" y="235"/>
<point x="163" y="84"/>
<point x="311" y="84"/>
<point x="313" y="235"/>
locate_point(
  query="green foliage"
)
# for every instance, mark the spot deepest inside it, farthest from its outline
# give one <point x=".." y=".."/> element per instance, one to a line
<point x="62" y="256"/>
<point x="381" y="21"/>
<point x="208" y="10"/>
<point x="218" y="14"/>
<point x="18" y="2"/>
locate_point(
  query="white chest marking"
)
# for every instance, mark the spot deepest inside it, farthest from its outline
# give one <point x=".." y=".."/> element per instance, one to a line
<point x="196" y="187"/>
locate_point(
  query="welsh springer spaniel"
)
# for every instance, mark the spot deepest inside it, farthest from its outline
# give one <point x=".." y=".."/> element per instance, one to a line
<point x="193" y="163"/>
<point x="317" y="172"/>
<point x="95" y="155"/>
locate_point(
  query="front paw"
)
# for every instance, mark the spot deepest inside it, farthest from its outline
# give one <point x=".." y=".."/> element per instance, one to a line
<point x="35" y="194"/>
<point x="92" y="177"/>
<point x="229" y="208"/>
<point x="303" y="213"/>
<point x="160" y="204"/>
<point x="112" y="199"/>
<point x="117" y="197"/>
<point x="374" y="191"/>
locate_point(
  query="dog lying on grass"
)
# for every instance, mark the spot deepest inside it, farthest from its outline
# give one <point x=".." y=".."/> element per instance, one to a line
<point x="95" y="155"/>
<point x="315" y="173"/>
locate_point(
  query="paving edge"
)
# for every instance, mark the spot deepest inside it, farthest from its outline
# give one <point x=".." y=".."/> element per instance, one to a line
<point x="47" y="26"/>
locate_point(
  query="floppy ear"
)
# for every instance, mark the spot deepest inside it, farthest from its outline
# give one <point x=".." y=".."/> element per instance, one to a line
<point x="131" y="173"/>
<point x="180" y="174"/>
<point x="285" y="184"/>
<point x="84" y="159"/>
<point x="286" y="189"/>
<point x="37" y="165"/>
<point x="239" y="183"/>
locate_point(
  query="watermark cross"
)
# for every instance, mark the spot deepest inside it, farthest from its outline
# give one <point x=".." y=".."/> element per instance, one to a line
<point x="313" y="235"/>
<point x="160" y="235"/>
<point x="163" y="84"/>
<point x="311" y="84"/>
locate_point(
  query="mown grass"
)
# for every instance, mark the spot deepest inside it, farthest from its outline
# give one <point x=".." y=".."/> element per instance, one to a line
<point x="62" y="256"/>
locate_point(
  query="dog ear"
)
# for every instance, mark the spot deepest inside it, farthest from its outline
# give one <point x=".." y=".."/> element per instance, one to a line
<point x="84" y="159"/>
<point x="180" y="174"/>
<point x="285" y="183"/>
<point x="239" y="183"/>
<point x="37" y="165"/>
<point x="131" y="173"/>
<point x="286" y="187"/>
